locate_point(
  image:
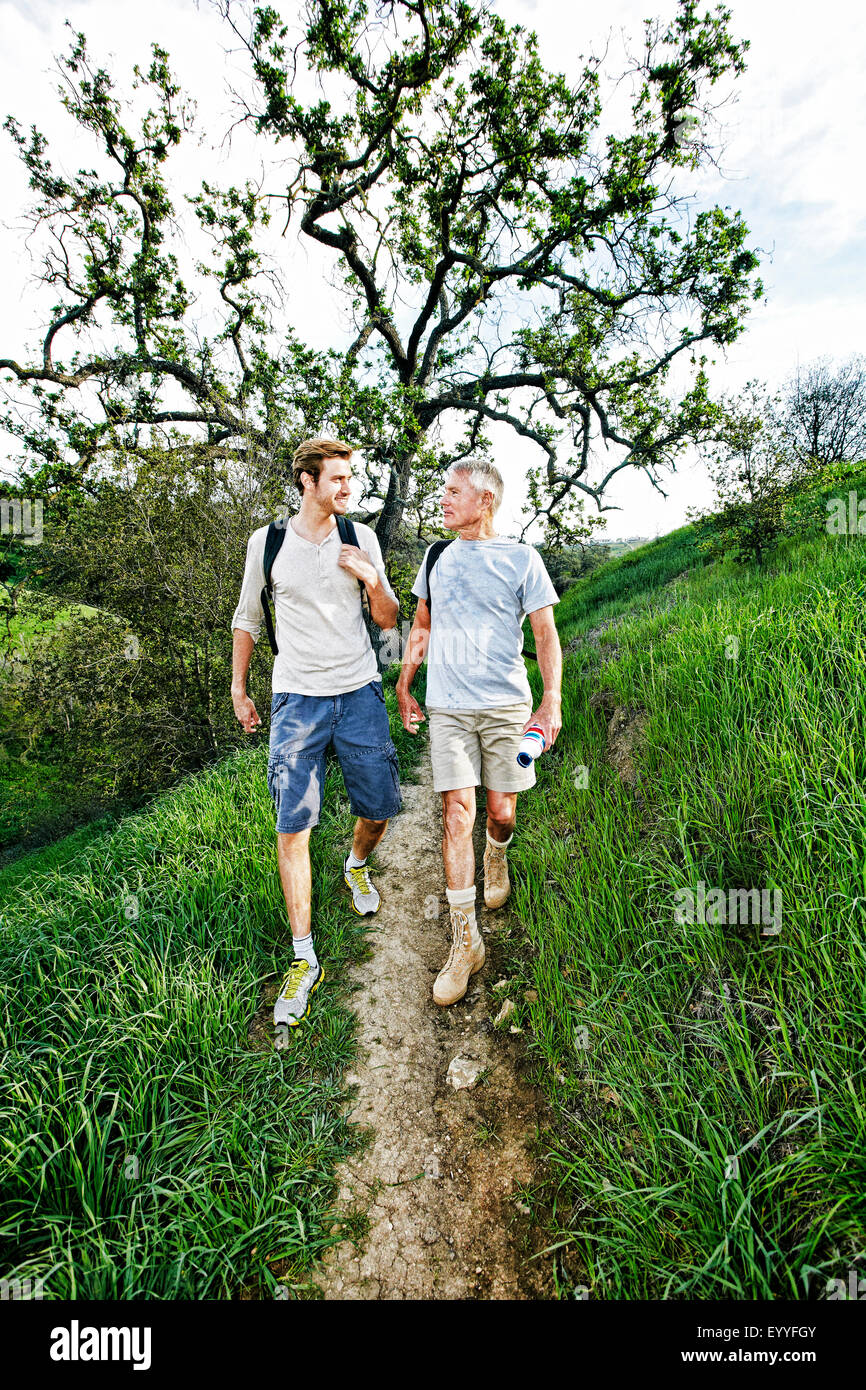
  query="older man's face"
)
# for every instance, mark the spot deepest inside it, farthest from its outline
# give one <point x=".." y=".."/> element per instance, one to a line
<point x="461" y="504"/>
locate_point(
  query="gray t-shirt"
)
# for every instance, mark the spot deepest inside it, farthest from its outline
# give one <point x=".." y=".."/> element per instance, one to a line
<point x="482" y="591"/>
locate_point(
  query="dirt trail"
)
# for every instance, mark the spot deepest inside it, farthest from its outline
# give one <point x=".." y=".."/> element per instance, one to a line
<point x="441" y="1181"/>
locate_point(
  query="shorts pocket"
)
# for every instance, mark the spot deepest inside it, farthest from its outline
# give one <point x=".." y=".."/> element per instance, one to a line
<point x="295" y="783"/>
<point x="372" y="780"/>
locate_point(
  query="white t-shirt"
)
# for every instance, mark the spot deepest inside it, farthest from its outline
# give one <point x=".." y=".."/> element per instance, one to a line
<point x="481" y="593"/>
<point x="324" y="646"/>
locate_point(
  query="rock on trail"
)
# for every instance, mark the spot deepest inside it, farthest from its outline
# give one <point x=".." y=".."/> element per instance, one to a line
<point x="441" y="1182"/>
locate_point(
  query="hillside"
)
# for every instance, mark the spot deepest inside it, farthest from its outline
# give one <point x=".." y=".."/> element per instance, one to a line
<point x="707" y="1076"/>
<point x="704" y="1077"/>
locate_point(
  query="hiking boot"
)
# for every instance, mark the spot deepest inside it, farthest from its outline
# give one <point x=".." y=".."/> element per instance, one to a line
<point x="293" y="1000"/>
<point x="365" y="899"/>
<point x="464" y="959"/>
<point x="497" y="885"/>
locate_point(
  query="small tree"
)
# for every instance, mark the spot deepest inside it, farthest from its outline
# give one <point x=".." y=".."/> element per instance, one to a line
<point x="825" y="411"/>
<point x="756" y="475"/>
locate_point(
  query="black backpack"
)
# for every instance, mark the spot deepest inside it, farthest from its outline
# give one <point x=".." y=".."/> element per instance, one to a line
<point x="273" y="541"/>
<point x="433" y="555"/>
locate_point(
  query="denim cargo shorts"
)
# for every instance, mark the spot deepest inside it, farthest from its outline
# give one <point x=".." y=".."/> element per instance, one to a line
<point x="303" y="727"/>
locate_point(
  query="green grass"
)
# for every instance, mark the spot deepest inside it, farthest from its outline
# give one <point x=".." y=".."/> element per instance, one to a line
<point x="670" y="1048"/>
<point x="621" y="585"/>
<point x="148" y="1150"/>
<point x="54" y="856"/>
<point x="18" y="632"/>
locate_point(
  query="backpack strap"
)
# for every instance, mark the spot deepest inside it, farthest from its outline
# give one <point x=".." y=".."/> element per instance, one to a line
<point x="349" y="536"/>
<point x="346" y="528"/>
<point x="432" y="556"/>
<point x="273" y="541"/>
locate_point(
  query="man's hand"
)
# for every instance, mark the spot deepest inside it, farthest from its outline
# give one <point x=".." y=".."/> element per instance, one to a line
<point x="548" y="717"/>
<point x="357" y="562"/>
<point x="411" y="712"/>
<point x="246" y="712"/>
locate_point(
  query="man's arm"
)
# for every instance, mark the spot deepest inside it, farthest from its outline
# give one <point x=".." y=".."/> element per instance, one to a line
<point x="246" y="626"/>
<point x="242" y="650"/>
<point x="411" y="712"/>
<point x="548" y="716"/>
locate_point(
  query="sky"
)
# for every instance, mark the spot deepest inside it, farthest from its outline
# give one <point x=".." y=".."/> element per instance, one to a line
<point x="789" y="158"/>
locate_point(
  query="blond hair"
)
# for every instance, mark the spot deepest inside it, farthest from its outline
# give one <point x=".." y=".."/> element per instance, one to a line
<point x="311" y="454"/>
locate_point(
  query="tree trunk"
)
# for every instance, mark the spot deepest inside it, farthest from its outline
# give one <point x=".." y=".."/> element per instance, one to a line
<point x="388" y="525"/>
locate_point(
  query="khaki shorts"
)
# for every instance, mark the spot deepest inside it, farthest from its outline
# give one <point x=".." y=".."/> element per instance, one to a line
<point x="479" y="746"/>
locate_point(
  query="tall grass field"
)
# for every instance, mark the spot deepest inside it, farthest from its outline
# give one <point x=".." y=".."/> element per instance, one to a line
<point x="149" y="1149"/>
<point x="708" y="1075"/>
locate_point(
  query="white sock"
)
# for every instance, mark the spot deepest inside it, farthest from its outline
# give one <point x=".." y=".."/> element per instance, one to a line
<point x="304" y="949"/>
<point x="500" y="844"/>
<point x="464" y="898"/>
<point x="353" y="863"/>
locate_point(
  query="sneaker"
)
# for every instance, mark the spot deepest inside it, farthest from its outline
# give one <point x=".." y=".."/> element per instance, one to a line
<point x="497" y="884"/>
<point x="293" y="1000"/>
<point x="465" y="958"/>
<point x="365" y="899"/>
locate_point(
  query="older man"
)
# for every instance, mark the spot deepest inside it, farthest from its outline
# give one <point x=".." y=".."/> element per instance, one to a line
<point x="326" y="690"/>
<point x="482" y="586"/>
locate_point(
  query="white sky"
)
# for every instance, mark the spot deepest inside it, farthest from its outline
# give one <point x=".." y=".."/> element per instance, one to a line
<point x="791" y="161"/>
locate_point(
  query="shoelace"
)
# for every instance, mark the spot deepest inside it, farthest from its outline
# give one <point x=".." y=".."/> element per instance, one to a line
<point x="361" y="879"/>
<point x="293" y="979"/>
<point x="459" y="928"/>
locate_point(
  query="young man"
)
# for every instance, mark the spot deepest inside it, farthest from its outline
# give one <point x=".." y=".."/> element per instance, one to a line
<point x="326" y="689"/>
<point x="478" y="698"/>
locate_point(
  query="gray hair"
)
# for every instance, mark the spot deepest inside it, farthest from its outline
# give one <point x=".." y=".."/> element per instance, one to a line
<point x="483" y="477"/>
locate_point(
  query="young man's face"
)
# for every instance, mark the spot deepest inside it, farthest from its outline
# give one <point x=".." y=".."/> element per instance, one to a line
<point x="461" y="504"/>
<point x="333" y="489"/>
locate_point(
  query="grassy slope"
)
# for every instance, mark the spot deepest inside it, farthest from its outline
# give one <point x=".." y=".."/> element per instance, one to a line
<point x="147" y="1151"/>
<point x="670" y="1048"/>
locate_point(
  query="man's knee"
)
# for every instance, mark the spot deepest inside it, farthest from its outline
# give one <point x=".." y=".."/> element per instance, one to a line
<point x="459" y="817"/>
<point x="502" y="809"/>
<point x="293" y="842"/>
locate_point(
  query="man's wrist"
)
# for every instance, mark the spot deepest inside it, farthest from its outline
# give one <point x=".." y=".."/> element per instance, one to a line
<point x="238" y="691"/>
